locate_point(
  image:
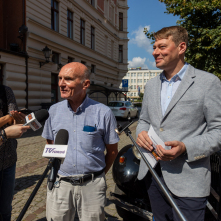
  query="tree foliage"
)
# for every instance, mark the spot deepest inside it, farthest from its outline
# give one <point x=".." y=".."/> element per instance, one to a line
<point x="141" y="95"/>
<point x="202" y="20"/>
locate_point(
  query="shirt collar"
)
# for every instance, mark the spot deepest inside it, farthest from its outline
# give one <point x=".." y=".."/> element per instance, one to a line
<point x="178" y="76"/>
<point x="82" y="106"/>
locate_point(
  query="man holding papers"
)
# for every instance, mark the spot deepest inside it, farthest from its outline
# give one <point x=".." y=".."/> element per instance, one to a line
<point x="183" y="106"/>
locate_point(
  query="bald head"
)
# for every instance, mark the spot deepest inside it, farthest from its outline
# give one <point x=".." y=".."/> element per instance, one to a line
<point x="78" y="70"/>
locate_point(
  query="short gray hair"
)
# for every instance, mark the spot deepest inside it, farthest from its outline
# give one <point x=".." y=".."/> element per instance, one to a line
<point x="87" y="75"/>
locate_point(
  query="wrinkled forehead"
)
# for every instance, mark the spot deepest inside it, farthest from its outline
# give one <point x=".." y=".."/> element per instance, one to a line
<point x="74" y="72"/>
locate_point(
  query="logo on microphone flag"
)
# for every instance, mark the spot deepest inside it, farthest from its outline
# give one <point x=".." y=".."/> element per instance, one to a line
<point x="55" y="150"/>
<point x="32" y="122"/>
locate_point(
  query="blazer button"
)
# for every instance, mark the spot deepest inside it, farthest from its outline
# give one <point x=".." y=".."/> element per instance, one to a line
<point x="161" y="129"/>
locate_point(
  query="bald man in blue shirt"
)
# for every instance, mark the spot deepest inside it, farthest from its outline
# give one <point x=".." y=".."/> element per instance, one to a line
<point x="81" y="184"/>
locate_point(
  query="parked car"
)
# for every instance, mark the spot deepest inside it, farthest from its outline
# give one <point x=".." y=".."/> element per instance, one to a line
<point x="124" y="109"/>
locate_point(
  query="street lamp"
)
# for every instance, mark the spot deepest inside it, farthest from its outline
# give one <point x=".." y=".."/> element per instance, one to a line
<point x="47" y="53"/>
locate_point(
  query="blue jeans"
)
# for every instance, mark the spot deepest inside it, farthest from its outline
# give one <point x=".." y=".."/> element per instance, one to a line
<point x="7" y="180"/>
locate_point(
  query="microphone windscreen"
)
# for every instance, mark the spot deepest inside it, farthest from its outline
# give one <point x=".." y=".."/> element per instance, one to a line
<point x="62" y="137"/>
<point x="41" y="115"/>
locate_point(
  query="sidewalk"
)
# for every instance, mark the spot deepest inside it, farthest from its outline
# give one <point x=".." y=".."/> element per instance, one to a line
<point x="30" y="167"/>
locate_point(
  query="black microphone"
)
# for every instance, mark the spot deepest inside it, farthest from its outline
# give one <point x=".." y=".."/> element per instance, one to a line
<point x="35" y="120"/>
<point x="61" y="139"/>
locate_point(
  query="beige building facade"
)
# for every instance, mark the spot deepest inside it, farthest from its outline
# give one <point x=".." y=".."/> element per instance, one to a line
<point x="138" y="78"/>
<point x="93" y="32"/>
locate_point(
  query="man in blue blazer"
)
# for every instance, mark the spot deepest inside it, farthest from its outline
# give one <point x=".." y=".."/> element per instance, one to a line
<point x="183" y="104"/>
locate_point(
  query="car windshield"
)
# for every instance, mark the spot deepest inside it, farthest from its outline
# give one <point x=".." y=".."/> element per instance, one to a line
<point x="116" y="104"/>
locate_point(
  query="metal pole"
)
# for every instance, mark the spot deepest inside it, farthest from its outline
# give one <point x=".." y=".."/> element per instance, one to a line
<point x="35" y="190"/>
<point x="156" y="177"/>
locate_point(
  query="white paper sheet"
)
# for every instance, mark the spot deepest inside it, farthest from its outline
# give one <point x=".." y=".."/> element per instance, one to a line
<point x="143" y="169"/>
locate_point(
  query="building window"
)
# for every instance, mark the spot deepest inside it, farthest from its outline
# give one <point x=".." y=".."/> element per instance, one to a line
<point x="82" y="32"/>
<point x="93" y="68"/>
<point x="111" y="14"/>
<point x="120" y="21"/>
<point x="1" y="74"/>
<point x="55" y="57"/>
<point x="134" y="86"/>
<point x="106" y="45"/>
<point x="54" y="15"/>
<point x="92" y="2"/>
<point x="92" y="37"/>
<point x="112" y="49"/>
<point x="70" y="59"/>
<point x="70" y="24"/>
<point x="54" y="88"/>
<point x="83" y="62"/>
<point x="120" y="60"/>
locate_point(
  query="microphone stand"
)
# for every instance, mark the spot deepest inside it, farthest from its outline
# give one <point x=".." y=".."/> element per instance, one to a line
<point x="154" y="174"/>
<point x="49" y="166"/>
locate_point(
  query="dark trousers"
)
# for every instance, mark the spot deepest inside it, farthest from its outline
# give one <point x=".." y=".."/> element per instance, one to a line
<point x="192" y="208"/>
<point x="7" y="180"/>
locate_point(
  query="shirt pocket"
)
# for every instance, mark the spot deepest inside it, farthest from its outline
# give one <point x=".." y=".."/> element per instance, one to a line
<point x="91" y="141"/>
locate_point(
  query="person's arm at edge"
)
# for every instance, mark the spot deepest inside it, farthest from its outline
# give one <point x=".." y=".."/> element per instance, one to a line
<point x="15" y="131"/>
<point x="112" y="151"/>
<point x="7" y="119"/>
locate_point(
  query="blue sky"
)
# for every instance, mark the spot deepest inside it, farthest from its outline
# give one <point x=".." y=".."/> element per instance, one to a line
<point x="149" y="14"/>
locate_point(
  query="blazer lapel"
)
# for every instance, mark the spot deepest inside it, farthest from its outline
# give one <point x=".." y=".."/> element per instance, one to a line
<point x="186" y="82"/>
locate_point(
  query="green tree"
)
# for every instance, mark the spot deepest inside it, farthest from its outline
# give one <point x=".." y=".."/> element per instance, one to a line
<point x="141" y="95"/>
<point x="202" y="20"/>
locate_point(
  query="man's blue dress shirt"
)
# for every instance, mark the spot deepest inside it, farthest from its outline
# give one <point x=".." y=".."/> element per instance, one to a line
<point x="168" y="88"/>
<point x="85" y="152"/>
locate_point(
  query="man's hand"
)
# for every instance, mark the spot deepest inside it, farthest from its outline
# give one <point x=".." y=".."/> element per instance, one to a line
<point x="144" y="141"/>
<point x="177" y="148"/>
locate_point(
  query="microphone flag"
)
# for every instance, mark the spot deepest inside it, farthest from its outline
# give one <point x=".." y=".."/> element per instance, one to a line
<point x="32" y="122"/>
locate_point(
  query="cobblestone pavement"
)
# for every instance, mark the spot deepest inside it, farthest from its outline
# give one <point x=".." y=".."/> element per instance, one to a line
<point x="30" y="167"/>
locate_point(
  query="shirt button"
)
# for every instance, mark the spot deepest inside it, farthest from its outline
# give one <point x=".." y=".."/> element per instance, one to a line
<point x="74" y="148"/>
<point x="170" y="84"/>
<point x="74" y="130"/>
<point x="74" y="165"/>
<point x="168" y="97"/>
<point x="161" y="129"/>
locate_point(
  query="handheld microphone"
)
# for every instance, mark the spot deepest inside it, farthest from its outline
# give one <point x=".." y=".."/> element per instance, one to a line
<point x="61" y="139"/>
<point x="35" y="120"/>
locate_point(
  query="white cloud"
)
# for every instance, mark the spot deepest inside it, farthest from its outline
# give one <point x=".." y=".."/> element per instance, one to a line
<point x="141" y="39"/>
<point x="137" y="62"/>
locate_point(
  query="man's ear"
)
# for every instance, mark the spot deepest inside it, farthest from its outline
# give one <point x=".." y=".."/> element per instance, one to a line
<point x="182" y="48"/>
<point x="86" y="84"/>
